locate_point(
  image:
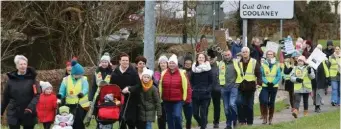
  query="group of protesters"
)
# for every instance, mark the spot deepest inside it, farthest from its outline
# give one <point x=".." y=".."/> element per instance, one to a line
<point x="173" y="88"/>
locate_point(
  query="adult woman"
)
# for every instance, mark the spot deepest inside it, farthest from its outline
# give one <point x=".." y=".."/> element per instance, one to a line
<point x="201" y="81"/>
<point x="74" y="88"/>
<point x="173" y="87"/>
<point x="289" y="64"/>
<point x="140" y="62"/>
<point x="21" y="95"/>
<point x="334" y="69"/>
<point x="271" y="75"/>
<point x="125" y="75"/>
<point x="102" y="76"/>
<point x="162" y="65"/>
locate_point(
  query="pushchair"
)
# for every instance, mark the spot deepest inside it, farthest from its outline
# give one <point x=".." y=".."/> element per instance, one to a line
<point x="109" y="112"/>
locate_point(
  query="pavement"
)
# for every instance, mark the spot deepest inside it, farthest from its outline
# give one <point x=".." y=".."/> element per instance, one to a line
<point x="285" y="115"/>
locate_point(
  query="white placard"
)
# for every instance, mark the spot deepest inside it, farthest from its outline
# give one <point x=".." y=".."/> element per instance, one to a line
<point x="289" y="47"/>
<point x="272" y="46"/>
<point x="267" y="9"/>
<point x="316" y="58"/>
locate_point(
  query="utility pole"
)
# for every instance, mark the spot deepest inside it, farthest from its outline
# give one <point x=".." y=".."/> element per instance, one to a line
<point x="149" y="33"/>
<point x="214" y="21"/>
<point x="281" y="29"/>
<point x="184" y="30"/>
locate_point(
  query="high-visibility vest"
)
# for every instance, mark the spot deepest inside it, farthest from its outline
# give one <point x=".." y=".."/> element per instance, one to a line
<point x="270" y="75"/>
<point x="222" y="72"/>
<point x="99" y="78"/>
<point x="303" y="74"/>
<point x="334" y="66"/>
<point x="249" y="74"/>
<point x="72" y="90"/>
<point x="286" y="76"/>
<point x="183" y="81"/>
<point x="325" y="68"/>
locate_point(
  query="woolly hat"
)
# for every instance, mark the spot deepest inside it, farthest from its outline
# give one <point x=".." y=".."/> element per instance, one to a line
<point x="44" y="85"/>
<point x="173" y="58"/>
<point x="19" y="57"/>
<point x="63" y="109"/>
<point x="106" y="57"/>
<point x="301" y="58"/>
<point x="147" y="72"/>
<point x="68" y="63"/>
<point x="188" y="58"/>
<point x="308" y="42"/>
<point x="162" y="59"/>
<point x="329" y="43"/>
<point x="76" y="69"/>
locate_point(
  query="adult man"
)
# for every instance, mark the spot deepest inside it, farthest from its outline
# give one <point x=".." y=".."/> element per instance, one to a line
<point x="330" y="48"/>
<point x="124" y="76"/>
<point x="250" y="70"/>
<point x="229" y="79"/>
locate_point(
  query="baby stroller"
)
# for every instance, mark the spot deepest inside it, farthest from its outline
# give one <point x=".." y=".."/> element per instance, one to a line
<point x="109" y="112"/>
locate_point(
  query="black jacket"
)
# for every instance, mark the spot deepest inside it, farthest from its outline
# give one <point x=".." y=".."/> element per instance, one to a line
<point x="201" y="84"/>
<point x="21" y="92"/>
<point x="128" y="78"/>
<point x="215" y="74"/>
<point x="321" y="79"/>
<point x="94" y="88"/>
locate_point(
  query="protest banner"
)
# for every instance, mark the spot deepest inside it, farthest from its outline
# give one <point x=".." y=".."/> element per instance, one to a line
<point x="316" y="58"/>
<point x="220" y="37"/>
<point x="271" y="46"/>
<point x="289" y="47"/>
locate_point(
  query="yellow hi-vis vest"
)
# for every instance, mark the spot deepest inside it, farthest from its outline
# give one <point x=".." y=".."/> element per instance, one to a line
<point x="334" y="66"/>
<point x="222" y="72"/>
<point x="303" y="74"/>
<point x="325" y="68"/>
<point x="99" y="78"/>
<point x="72" y="90"/>
<point x="249" y="74"/>
<point x="270" y="75"/>
<point x="183" y="81"/>
<point x="286" y="76"/>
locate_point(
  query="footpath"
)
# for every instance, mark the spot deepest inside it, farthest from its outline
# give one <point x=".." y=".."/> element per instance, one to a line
<point x="285" y="115"/>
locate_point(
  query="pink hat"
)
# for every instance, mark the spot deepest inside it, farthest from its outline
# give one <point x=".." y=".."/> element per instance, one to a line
<point x="302" y="58"/>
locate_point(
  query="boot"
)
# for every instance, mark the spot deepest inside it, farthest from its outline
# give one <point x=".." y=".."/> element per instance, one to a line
<point x="264" y="113"/>
<point x="305" y="113"/>
<point x="295" y="112"/>
<point x="317" y="109"/>
<point x="271" y="114"/>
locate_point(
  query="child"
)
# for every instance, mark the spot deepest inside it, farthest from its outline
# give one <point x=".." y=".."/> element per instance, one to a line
<point x="149" y="100"/>
<point x="47" y="105"/>
<point x="109" y="98"/>
<point x="64" y="120"/>
<point x="301" y="76"/>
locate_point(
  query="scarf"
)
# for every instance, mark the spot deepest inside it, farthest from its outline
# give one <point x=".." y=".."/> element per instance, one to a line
<point x="147" y="86"/>
<point x="201" y="68"/>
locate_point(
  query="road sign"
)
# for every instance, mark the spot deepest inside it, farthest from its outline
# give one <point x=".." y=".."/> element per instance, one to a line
<point x="267" y="9"/>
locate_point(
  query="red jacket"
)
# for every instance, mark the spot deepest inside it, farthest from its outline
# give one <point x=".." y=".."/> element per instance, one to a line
<point x="189" y="91"/>
<point x="46" y="108"/>
<point x="172" y="86"/>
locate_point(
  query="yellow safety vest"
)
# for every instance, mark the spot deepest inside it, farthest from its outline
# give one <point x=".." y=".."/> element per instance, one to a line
<point x="222" y="72"/>
<point x="99" y="78"/>
<point x="270" y="75"/>
<point x="249" y="74"/>
<point x="183" y="81"/>
<point x="72" y="90"/>
<point x="334" y="66"/>
<point x="325" y="68"/>
<point x="303" y="74"/>
<point x="286" y="76"/>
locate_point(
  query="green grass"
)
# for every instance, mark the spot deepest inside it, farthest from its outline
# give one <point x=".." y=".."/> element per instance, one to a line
<point x="279" y="107"/>
<point x="329" y="120"/>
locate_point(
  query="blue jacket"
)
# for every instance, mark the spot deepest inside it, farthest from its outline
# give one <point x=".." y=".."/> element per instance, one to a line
<point x="278" y="74"/>
<point x="236" y="48"/>
<point x="62" y="88"/>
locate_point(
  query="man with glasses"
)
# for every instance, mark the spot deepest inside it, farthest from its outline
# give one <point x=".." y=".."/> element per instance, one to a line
<point x="251" y="75"/>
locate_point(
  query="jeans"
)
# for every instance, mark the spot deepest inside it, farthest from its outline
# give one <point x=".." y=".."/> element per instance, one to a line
<point x="245" y="106"/>
<point x="216" y="97"/>
<point x="267" y="97"/>
<point x="229" y="95"/>
<point x="298" y="100"/>
<point x="188" y="112"/>
<point x="335" y="92"/>
<point x="174" y="114"/>
<point x="149" y="125"/>
<point x="200" y="111"/>
<point x="144" y="125"/>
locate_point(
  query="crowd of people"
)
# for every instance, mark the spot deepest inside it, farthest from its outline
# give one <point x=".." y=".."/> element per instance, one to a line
<point x="169" y="91"/>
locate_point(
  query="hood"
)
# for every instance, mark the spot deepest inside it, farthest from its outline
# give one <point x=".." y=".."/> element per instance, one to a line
<point x="30" y="74"/>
